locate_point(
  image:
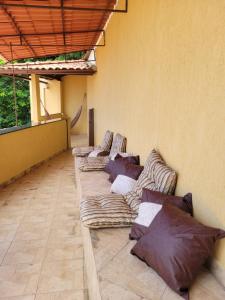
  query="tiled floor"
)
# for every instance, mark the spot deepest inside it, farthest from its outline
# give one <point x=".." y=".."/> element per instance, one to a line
<point x="41" y="252"/>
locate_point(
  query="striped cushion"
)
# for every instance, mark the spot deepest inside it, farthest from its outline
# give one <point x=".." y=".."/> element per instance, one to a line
<point x="104" y="211"/>
<point x="118" y="145"/>
<point x="93" y="163"/>
<point x="105" y="146"/>
<point x="82" y="151"/>
<point x="165" y="179"/>
<point x="107" y="141"/>
<point x="156" y="176"/>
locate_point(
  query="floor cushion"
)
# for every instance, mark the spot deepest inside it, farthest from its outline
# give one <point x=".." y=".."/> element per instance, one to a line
<point x="93" y="163"/>
<point x="156" y="176"/>
<point x="176" y="246"/>
<point x="105" y="146"/>
<point x="103" y="211"/>
<point x="118" y="145"/>
<point x="148" y="196"/>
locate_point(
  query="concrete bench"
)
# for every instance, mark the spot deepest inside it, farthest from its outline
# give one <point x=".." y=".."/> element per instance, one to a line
<point x="113" y="273"/>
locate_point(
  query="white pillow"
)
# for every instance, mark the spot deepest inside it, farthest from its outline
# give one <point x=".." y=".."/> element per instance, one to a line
<point x="123" y="154"/>
<point x="122" y="185"/>
<point x="94" y="153"/>
<point x="147" y="213"/>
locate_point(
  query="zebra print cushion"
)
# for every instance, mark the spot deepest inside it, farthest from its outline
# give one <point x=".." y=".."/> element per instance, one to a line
<point x="104" y="211"/>
<point x="93" y="163"/>
<point x="118" y="145"/>
<point x="156" y="176"/>
<point x="107" y="141"/>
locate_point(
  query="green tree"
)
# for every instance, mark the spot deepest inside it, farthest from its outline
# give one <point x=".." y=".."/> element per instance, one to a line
<point x="7" y="103"/>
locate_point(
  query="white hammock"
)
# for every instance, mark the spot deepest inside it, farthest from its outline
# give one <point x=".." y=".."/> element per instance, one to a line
<point x="78" y="113"/>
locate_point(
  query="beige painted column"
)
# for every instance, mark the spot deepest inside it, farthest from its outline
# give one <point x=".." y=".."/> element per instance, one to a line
<point x="35" y="99"/>
<point x="61" y="97"/>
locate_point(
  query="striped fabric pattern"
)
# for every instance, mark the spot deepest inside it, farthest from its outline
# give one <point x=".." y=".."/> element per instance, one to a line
<point x="107" y="141"/>
<point x="82" y="151"/>
<point x="118" y="145"/>
<point x="106" y="211"/>
<point x="93" y="163"/>
<point x="156" y="176"/>
<point x="165" y="179"/>
<point x="105" y="146"/>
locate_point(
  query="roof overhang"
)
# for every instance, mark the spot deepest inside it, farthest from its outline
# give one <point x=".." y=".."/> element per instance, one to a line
<point x="46" y="28"/>
<point x="50" y="68"/>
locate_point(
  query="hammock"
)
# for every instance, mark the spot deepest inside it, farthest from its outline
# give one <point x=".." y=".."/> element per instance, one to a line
<point x="78" y="113"/>
<point x="46" y="112"/>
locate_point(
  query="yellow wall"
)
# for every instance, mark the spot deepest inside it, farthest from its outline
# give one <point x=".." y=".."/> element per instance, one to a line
<point x="51" y="96"/>
<point x="161" y="82"/>
<point x="73" y="89"/>
<point x="22" y="149"/>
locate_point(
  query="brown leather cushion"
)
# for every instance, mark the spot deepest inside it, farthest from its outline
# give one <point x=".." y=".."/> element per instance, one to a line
<point x="176" y="246"/>
<point x="103" y="153"/>
<point x="124" y="166"/>
<point x="184" y="203"/>
<point x="130" y="159"/>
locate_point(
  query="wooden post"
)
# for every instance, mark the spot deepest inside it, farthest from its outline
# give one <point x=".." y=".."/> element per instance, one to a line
<point x="91" y="127"/>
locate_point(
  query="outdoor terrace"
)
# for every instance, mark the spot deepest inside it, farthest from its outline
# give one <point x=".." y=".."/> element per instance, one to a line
<point x="41" y="247"/>
<point x="150" y="70"/>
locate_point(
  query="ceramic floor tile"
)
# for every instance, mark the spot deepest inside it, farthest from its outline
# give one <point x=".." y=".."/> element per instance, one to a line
<point x="63" y="251"/>
<point x="55" y="242"/>
<point x="4" y="247"/>
<point x="67" y="295"/>
<point x="17" y="280"/>
<point x="37" y="216"/>
<point x="10" y="218"/>
<point x="112" y="291"/>
<point x="8" y="232"/>
<point x="66" y="216"/>
<point x="25" y="256"/>
<point x="61" y="276"/>
<point x="66" y="231"/>
<point x="26" y="245"/>
<point x="32" y="233"/>
<point x="25" y="297"/>
<point x="41" y="248"/>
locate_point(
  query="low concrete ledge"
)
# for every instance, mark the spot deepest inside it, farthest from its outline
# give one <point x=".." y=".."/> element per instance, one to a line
<point x="113" y="273"/>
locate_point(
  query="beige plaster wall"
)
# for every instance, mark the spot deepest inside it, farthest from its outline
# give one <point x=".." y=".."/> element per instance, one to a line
<point x="25" y="148"/>
<point x="73" y="90"/>
<point x="161" y="82"/>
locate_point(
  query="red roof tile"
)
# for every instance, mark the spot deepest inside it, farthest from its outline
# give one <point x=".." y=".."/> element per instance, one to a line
<point x="49" y="67"/>
<point x="47" y="30"/>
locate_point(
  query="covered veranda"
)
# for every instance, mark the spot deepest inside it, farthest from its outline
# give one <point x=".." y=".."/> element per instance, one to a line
<point x="152" y="71"/>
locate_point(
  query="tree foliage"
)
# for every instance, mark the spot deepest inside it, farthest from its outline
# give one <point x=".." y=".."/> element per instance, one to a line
<point x="7" y="103"/>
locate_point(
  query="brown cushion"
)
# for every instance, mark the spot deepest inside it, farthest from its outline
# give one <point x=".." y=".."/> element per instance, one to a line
<point x="114" y="166"/>
<point x="124" y="167"/>
<point x="184" y="203"/>
<point x="176" y="246"/>
<point x="103" y="153"/>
